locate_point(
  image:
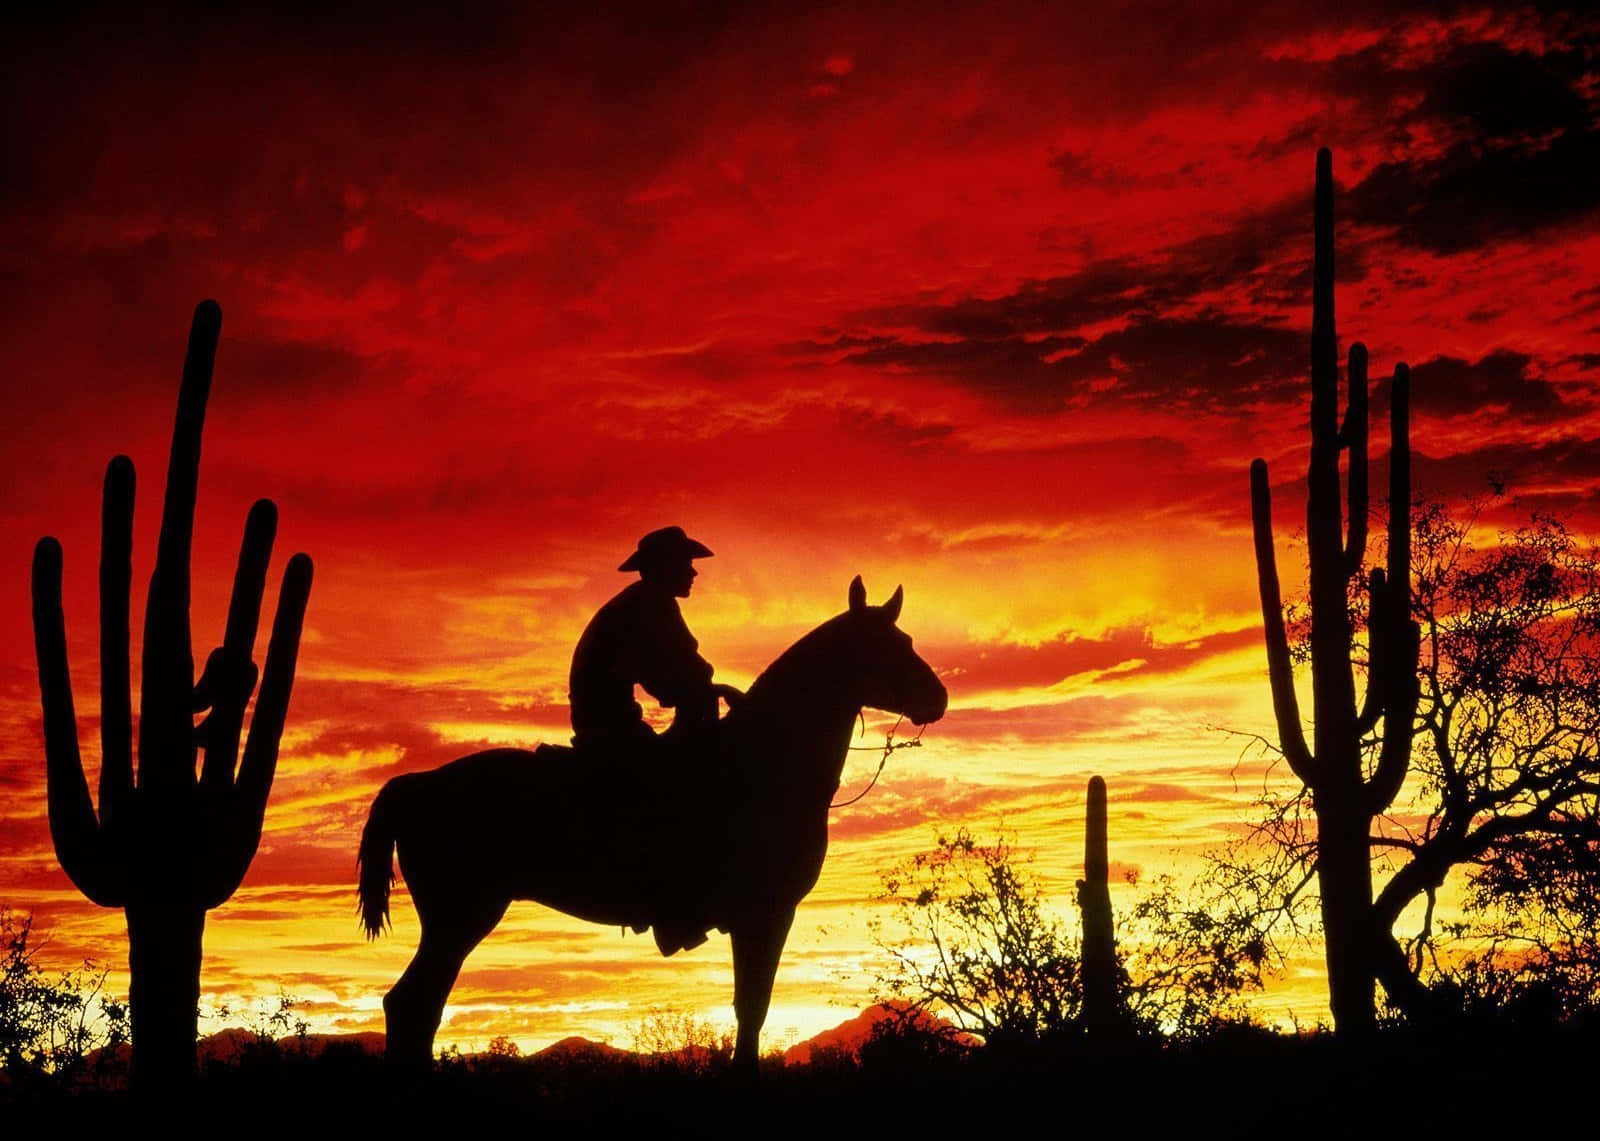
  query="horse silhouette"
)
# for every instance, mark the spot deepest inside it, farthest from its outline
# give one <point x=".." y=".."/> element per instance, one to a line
<point x="733" y="836"/>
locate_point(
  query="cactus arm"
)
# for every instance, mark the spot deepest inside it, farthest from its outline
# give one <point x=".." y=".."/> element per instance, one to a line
<point x="116" y="579"/>
<point x="1355" y="439"/>
<point x="73" y="827"/>
<point x="1405" y="636"/>
<point x="1399" y="546"/>
<point x="1280" y="669"/>
<point x="166" y="731"/>
<point x="1378" y="653"/>
<point x="1399" y="717"/>
<point x="260" y="761"/>
<point x="277" y="680"/>
<point x="233" y="675"/>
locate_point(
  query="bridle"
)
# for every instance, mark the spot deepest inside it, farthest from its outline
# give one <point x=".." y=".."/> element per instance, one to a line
<point x="890" y="745"/>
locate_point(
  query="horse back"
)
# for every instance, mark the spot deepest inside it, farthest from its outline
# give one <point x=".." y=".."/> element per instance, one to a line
<point x="605" y="838"/>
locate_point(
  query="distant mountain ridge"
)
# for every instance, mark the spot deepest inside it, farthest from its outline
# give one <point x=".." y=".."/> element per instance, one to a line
<point x="228" y="1046"/>
<point x="847" y="1038"/>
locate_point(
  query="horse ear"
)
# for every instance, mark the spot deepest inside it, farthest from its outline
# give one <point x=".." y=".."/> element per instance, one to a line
<point x="892" y="607"/>
<point x="858" y="594"/>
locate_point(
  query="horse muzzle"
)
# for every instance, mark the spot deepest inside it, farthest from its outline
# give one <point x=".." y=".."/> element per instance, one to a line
<point x="928" y="708"/>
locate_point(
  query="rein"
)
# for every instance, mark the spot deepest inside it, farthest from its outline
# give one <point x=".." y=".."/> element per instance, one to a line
<point x="890" y="745"/>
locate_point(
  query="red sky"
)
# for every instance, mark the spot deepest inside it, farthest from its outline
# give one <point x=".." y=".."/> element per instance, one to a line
<point x="997" y="303"/>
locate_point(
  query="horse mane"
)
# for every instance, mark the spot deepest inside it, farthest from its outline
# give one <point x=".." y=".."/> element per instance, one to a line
<point x="777" y="724"/>
<point x="806" y="658"/>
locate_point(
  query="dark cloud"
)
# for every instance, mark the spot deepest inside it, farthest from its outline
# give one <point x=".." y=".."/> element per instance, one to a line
<point x="1200" y="324"/>
<point x="1527" y="470"/>
<point x="1195" y="325"/>
<point x="1207" y="362"/>
<point x="1007" y="370"/>
<point x="894" y="429"/>
<point x="267" y="368"/>
<point x="1523" y="144"/>
<point x="1501" y="384"/>
<point x="1477" y="193"/>
<point x="1496" y="93"/>
<point x="1080" y="169"/>
<point x="1059" y="305"/>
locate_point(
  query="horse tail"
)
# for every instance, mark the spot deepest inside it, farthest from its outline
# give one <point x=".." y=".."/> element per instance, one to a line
<point x="375" y="859"/>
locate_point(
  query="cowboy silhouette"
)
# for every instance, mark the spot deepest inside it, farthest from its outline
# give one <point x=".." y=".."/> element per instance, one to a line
<point x="640" y="638"/>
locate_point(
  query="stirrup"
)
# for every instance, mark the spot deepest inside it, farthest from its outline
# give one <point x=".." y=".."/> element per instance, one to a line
<point x="673" y="940"/>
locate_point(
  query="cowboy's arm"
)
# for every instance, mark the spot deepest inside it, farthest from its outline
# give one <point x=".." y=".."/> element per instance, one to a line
<point x="672" y="670"/>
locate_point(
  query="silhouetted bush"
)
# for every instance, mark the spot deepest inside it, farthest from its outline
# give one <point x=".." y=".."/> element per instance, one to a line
<point x="906" y="1039"/>
<point x="670" y="1039"/>
<point x="977" y="945"/>
<point x="971" y="939"/>
<point x="52" y="1027"/>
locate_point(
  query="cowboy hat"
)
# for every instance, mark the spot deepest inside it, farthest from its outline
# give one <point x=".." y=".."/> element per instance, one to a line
<point x="660" y="546"/>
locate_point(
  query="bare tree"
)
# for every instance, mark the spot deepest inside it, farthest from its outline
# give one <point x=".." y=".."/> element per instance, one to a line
<point x="1504" y="785"/>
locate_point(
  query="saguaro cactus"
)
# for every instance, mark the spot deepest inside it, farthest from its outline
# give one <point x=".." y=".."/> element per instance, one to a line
<point x="1101" y="1013"/>
<point x="168" y="847"/>
<point x="1345" y="794"/>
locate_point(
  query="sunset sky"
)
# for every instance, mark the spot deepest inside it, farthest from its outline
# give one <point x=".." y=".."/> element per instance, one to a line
<point x="996" y="303"/>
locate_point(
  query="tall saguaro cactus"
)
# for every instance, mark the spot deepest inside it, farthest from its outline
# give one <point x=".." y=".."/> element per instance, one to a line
<point x="1101" y="1012"/>
<point x="1347" y="791"/>
<point x="168" y="846"/>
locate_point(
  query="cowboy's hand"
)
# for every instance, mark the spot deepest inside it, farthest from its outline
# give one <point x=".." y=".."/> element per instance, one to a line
<point x="732" y="695"/>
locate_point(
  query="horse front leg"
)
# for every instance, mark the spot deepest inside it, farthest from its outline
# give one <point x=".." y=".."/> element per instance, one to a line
<point x="757" y="945"/>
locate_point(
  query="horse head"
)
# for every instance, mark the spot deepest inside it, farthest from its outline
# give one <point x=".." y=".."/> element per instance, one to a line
<point x="891" y="676"/>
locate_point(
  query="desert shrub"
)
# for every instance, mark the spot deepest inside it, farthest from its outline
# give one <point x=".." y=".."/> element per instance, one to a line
<point x="52" y="1025"/>
<point x="671" y="1039"/>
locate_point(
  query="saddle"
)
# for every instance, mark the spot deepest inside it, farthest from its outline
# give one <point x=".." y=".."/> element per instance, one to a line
<point x="667" y="804"/>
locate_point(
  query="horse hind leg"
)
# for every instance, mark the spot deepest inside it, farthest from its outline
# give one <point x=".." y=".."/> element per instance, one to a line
<point x="415" y="1004"/>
